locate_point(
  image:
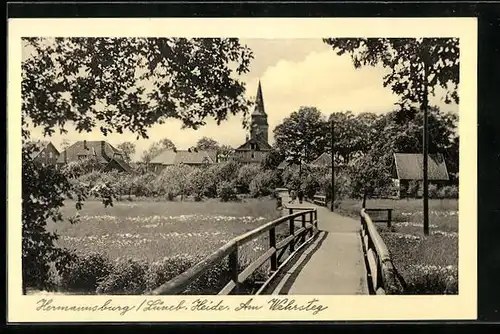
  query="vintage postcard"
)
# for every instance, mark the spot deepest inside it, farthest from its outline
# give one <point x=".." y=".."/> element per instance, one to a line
<point x="169" y="170"/>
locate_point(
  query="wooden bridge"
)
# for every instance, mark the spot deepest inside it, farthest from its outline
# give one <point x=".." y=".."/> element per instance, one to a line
<point x="311" y="251"/>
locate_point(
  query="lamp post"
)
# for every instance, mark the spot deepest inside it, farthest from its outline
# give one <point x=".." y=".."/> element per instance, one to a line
<point x="333" y="168"/>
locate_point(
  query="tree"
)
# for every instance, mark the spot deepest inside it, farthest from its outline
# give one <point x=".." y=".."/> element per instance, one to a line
<point x="353" y="134"/>
<point x="417" y="66"/>
<point x="207" y="144"/>
<point x="224" y="152"/>
<point x="302" y="136"/>
<point x="137" y="82"/>
<point x="155" y="148"/>
<point x="65" y="144"/>
<point x="272" y="159"/>
<point x="114" y="84"/>
<point x="128" y="150"/>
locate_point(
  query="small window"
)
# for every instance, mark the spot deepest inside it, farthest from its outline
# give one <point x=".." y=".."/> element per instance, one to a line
<point x="253" y="155"/>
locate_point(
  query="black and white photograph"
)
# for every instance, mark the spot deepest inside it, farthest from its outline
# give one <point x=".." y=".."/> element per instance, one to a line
<point x="248" y="166"/>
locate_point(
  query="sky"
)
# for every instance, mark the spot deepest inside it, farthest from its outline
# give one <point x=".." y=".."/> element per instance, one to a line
<point x="293" y="73"/>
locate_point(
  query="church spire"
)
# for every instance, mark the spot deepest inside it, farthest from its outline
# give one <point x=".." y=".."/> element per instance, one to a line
<point x="259" y="103"/>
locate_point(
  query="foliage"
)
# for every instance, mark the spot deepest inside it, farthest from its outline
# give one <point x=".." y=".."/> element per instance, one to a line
<point x="81" y="167"/>
<point x="85" y="272"/>
<point x="414" y="63"/>
<point x="192" y="80"/>
<point x="128" y="150"/>
<point x="207" y="144"/>
<point x="224" y="152"/>
<point x="245" y="176"/>
<point x="353" y="134"/>
<point x="264" y="183"/>
<point x="44" y="190"/>
<point x="127" y="277"/>
<point x="302" y="136"/>
<point x="155" y="148"/>
<point x="226" y="191"/>
<point x="448" y="192"/>
<point x="272" y="159"/>
<point x="173" y="181"/>
<point x="370" y="176"/>
<point x="198" y="181"/>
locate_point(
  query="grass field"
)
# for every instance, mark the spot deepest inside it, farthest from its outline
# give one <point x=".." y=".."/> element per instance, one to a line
<point x="428" y="264"/>
<point x="153" y="230"/>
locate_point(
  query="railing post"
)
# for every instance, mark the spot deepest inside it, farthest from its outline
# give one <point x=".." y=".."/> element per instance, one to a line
<point x="389" y="217"/>
<point x="233" y="266"/>
<point x="316" y="219"/>
<point x="292" y="231"/>
<point x="311" y="218"/>
<point x="304" y="226"/>
<point x="272" y="244"/>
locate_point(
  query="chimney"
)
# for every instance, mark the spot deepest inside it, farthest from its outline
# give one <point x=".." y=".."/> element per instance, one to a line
<point x="85" y="147"/>
<point x="103" y="152"/>
<point x="66" y="156"/>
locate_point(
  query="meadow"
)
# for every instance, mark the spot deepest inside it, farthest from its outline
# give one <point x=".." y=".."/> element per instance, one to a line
<point x="427" y="264"/>
<point x="163" y="236"/>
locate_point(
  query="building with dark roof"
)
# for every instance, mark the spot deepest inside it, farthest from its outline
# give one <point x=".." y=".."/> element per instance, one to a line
<point x="106" y="154"/>
<point x="408" y="167"/>
<point x="191" y="157"/>
<point x="257" y="144"/>
<point x="44" y="152"/>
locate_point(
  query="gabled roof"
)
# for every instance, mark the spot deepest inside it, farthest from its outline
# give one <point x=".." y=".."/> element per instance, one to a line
<point x="93" y="148"/>
<point x="409" y="166"/>
<point x="123" y="164"/>
<point x="263" y="146"/>
<point x="171" y="157"/>
<point x="39" y="146"/>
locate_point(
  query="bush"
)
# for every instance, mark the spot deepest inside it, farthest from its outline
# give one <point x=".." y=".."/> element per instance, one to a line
<point x="245" y="176"/>
<point x="264" y="183"/>
<point x="432" y="280"/>
<point x="126" y="277"/>
<point x="448" y="192"/>
<point x="433" y="191"/>
<point x="226" y="192"/>
<point x="85" y="272"/>
<point x="161" y="271"/>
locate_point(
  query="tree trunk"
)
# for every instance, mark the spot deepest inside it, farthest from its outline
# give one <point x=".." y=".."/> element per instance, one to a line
<point x="364" y="200"/>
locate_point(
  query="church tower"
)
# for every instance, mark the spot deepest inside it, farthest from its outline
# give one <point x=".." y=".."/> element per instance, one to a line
<point x="258" y="127"/>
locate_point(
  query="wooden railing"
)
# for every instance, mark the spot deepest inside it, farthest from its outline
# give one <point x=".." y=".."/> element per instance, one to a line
<point x="319" y="200"/>
<point x="388" y="218"/>
<point x="381" y="273"/>
<point x="295" y="239"/>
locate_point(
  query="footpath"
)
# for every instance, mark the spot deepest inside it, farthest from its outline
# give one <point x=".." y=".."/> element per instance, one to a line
<point x="333" y="264"/>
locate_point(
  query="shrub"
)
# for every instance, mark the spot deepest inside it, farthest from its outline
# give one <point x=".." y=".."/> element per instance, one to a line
<point x="126" y="277"/>
<point x="414" y="188"/>
<point x="264" y="183"/>
<point x="448" y="192"/>
<point x="431" y="279"/>
<point x="226" y="192"/>
<point x="161" y="271"/>
<point x="433" y="191"/>
<point x="85" y="272"/>
<point x="245" y="176"/>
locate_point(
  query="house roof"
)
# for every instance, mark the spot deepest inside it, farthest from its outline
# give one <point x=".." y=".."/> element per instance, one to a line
<point x="94" y="148"/>
<point x="263" y="146"/>
<point x="409" y="166"/>
<point x="171" y="157"/>
<point x="123" y="164"/>
<point x="39" y="146"/>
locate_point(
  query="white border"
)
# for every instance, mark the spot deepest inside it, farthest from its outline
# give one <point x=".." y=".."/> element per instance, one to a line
<point x="22" y="308"/>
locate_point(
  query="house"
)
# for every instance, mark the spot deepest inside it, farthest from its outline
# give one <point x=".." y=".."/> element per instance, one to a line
<point x="44" y="152"/>
<point x="106" y="154"/>
<point x="325" y="161"/>
<point x="408" y="167"/>
<point x="191" y="157"/>
<point x="256" y="145"/>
